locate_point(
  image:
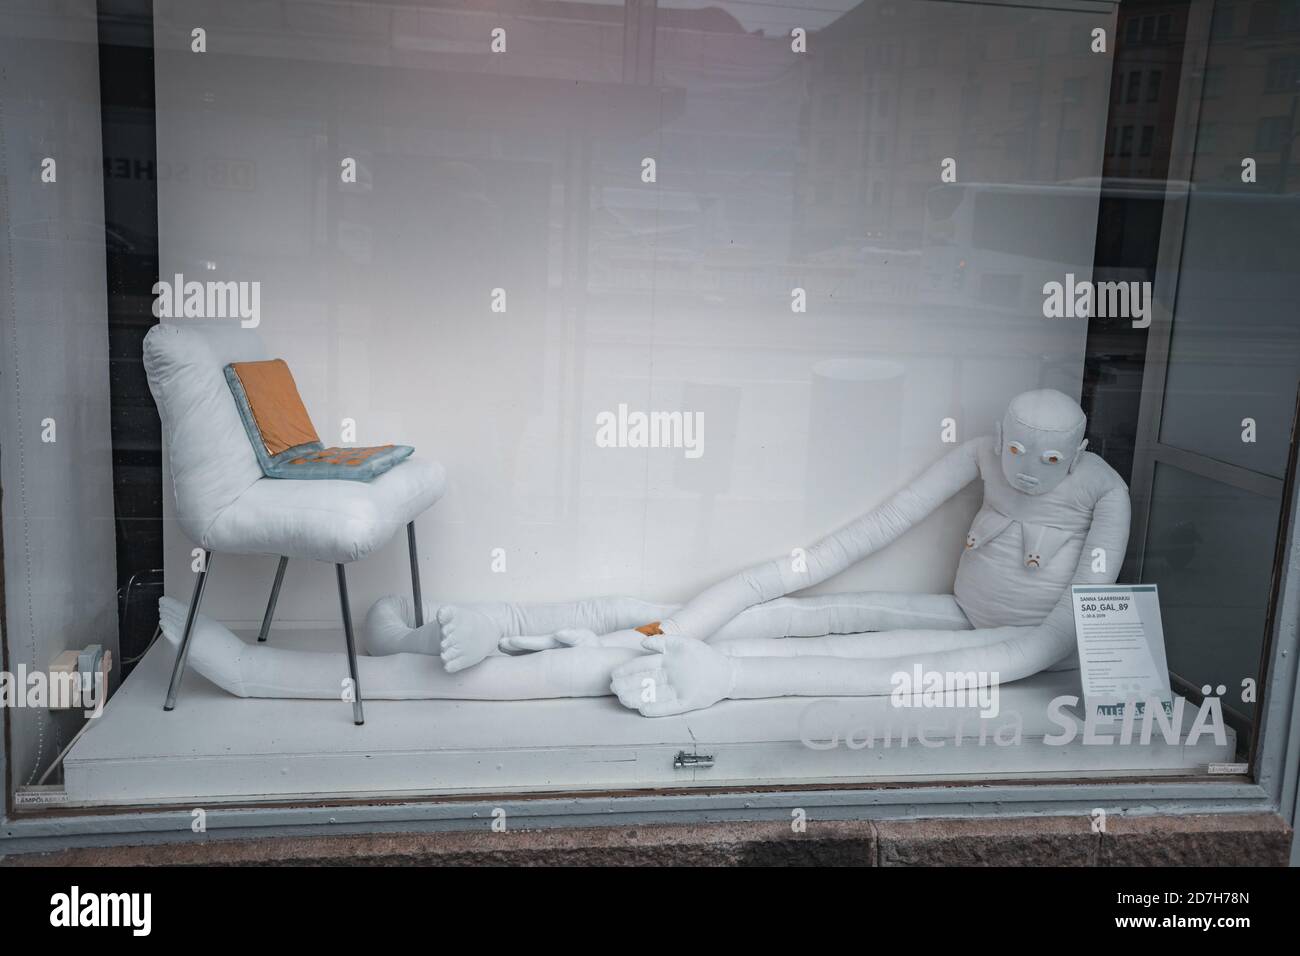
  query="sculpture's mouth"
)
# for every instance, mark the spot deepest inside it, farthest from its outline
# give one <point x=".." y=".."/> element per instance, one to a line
<point x="1027" y="482"/>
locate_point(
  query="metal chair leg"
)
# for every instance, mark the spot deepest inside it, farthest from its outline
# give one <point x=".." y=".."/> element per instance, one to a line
<point x="415" y="574"/>
<point x="358" y="716"/>
<point x="275" y="596"/>
<point x="178" y="669"/>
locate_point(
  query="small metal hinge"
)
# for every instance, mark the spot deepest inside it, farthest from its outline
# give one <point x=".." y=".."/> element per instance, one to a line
<point x="685" y="761"/>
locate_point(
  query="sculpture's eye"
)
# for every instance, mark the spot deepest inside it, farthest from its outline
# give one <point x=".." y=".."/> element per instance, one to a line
<point x="1052" y="457"/>
<point x="1016" y="448"/>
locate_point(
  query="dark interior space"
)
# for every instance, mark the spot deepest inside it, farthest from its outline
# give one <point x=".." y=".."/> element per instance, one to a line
<point x="1144" y="98"/>
<point x="131" y="263"/>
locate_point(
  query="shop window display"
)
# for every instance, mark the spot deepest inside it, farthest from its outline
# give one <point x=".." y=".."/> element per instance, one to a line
<point x="843" y="393"/>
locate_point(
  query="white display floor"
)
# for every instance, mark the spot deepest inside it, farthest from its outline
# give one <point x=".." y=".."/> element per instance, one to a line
<point x="215" y="748"/>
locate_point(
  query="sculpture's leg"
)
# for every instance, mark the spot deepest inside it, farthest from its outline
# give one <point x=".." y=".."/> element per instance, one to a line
<point x="263" y="670"/>
<point x="467" y="634"/>
<point x="602" y="615"/>
<point x="472" y="633"/>
<point x="391" y="627"/>
<point x="874" y="645"/>
<point x="855" y="613"/>
<point x="682" y="674"/>
<point x="804" y="618"/>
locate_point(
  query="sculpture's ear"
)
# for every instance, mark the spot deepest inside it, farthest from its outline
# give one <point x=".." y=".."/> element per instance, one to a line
<point x="1078" y="453"/>
<point x="997" y="437"/>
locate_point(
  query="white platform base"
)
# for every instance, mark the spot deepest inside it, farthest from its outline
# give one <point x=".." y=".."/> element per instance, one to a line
<point x="217" y="748"/>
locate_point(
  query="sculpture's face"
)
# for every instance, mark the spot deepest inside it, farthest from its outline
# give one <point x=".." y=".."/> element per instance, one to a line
<point x="1040" y="439"/>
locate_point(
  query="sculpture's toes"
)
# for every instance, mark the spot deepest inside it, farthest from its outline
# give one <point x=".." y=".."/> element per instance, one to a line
<point x="467" y="637"/>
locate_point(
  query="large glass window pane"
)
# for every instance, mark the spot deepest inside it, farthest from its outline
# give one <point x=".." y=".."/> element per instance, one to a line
<point x="1235" y="353"/>
<point x="667" y="290"/>
<point x="55" y="443"/>
<point x="1203" y="550"/>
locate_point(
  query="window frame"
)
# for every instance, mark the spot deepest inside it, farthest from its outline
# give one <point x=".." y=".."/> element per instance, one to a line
<point x="1272" y="786"/>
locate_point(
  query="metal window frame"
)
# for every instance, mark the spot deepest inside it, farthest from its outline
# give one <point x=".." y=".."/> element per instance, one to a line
<point x="1164" y="298"/>
<point x="1277" y="768"/>
<point x="1151" y="451"/>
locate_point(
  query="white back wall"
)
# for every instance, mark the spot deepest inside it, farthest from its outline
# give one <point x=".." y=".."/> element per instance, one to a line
<point x="522" y="171"/>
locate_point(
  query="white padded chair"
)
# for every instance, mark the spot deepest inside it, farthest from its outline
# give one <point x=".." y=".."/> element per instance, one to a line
<point x="225" y="504"/>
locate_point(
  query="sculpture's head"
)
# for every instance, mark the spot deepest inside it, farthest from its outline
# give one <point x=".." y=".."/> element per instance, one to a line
<point x="1040" y="440"/>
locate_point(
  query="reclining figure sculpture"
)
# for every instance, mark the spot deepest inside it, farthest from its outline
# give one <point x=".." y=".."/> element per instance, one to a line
<point x="1053" y="515"/>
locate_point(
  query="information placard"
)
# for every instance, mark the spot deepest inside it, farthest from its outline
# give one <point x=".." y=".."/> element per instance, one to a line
<point x="1121" y="648"/>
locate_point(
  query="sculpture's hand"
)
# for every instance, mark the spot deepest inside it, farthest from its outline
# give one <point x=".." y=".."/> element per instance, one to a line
<point x="565" y="637"/>
<point x="527" y="645"/>
<point x="579" y="637"/>
<point x="680" y="675"/>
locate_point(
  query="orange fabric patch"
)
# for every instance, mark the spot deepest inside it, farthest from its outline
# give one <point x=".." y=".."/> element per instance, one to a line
<point x="276" y="405"/>
<point x="341" y="456"/>
<point x="650" y="630"/>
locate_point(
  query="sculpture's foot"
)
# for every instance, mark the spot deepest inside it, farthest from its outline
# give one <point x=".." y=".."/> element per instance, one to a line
<point x="467" y="637"/>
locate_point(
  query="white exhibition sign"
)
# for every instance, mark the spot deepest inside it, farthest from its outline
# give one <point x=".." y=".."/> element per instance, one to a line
<point x="1121" y="648"/>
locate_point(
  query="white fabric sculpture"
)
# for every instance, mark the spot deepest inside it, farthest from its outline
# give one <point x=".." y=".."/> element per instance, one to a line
<point x="1053" y="515"/>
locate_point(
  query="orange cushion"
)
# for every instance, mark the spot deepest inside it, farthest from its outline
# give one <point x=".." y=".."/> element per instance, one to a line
<point x="276" y="406"/>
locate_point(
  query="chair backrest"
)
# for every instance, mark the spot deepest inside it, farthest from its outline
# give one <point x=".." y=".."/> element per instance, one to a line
<point x="212" y="462"/>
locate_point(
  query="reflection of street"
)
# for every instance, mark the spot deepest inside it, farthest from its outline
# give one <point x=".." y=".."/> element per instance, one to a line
<point x="1251" y="87"/>
<point x="786" y="227"/>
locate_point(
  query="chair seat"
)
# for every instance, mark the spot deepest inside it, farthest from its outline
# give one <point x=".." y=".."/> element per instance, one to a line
<point x="330" y="520"/>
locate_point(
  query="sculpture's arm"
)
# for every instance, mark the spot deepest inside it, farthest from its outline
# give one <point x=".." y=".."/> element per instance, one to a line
<point x="703" y="616"/>
<point x="1009" y="652"/>
<point x="686" y="675"/>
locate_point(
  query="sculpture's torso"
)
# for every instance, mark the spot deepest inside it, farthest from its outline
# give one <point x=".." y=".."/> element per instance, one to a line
<point x="1022" y="550"/>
